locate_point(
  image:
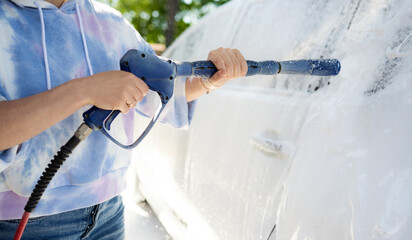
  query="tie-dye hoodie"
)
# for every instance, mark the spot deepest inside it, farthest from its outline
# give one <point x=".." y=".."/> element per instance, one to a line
<point x="42" y="47"/>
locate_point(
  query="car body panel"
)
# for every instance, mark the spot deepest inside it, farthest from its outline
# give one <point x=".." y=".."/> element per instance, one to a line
<point x="289" y="156"/>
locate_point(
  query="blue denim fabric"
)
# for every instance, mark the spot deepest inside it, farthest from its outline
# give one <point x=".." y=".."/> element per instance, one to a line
<point x="103" y="221"/>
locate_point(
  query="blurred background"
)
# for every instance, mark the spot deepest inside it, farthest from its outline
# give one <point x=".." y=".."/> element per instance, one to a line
<point x="160" y="22"/>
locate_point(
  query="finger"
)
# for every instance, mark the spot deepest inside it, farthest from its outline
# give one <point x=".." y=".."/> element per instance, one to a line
<point x="130" y="102"/>
<point x="138" y="83"/>
<point x="228" y="63"/>
<point x="142" y="86"/>
<point x="220" y="66"/>
<point x="124" y="108"/>
<point x="242" y="60"/>
<point x="236" y="64"/>
<point x="138" y="95"/>
<point x="216" y="59"/>
<point x="130" y="96"/>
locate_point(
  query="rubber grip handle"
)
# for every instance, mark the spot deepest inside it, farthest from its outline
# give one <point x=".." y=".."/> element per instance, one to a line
<point x="206" y="69"/>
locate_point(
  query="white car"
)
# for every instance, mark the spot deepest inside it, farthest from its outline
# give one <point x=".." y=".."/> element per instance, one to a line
<point x="290" y="156"/>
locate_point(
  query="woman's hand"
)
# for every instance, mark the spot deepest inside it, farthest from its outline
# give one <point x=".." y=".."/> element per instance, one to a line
<point x="230" y="64"/>
<point x="112" y="90"/>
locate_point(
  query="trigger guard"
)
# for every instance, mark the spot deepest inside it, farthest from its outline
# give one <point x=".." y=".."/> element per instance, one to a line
<point x="144" y="133"/>
<point x="148" y="127"/>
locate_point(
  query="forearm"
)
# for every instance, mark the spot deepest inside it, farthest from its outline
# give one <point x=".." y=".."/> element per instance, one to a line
<point x="25" y="118"/>
<point x="194" y="89"/>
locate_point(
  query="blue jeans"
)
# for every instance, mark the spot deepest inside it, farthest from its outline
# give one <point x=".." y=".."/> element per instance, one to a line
<point x="102" y="221"/>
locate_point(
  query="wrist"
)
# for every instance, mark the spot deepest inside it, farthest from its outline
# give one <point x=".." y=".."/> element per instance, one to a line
<point x="207" y="85"/>
<point x="81" y="89"/>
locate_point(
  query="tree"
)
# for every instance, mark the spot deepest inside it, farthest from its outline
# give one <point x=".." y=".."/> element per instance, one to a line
<point x="162" y="21"/>
<point x="173" y="9"/>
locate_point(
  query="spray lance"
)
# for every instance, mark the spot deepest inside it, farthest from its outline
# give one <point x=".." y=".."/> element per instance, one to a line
<point x="159" y="74"/>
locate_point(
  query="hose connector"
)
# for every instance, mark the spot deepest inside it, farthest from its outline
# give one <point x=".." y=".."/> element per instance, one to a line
<point x="83" y="131"/>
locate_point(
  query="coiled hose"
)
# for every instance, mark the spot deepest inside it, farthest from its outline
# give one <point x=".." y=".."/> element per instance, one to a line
<point x="81" y="133"/>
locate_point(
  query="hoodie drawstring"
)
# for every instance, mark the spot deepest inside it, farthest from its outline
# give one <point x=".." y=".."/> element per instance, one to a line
<point x="43" y="36"/>
<point x="43" y="40"/>
<point x="86" y="51"/>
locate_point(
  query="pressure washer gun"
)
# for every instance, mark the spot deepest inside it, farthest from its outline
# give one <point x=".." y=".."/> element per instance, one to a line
<point x="159" y="74"/>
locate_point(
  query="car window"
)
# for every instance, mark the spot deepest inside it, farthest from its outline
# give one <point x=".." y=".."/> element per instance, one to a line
<point x="197" y="41"/>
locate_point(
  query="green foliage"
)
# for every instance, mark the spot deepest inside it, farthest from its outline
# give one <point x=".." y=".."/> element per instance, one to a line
<point x="150" y="16"/>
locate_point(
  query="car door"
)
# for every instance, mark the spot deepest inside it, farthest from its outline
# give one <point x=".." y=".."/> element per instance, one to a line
<point x="284" y="156"/>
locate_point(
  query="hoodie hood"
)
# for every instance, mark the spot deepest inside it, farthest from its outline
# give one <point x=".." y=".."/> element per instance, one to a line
<point x="67" y="7"/>
<point x="30" y="3"/>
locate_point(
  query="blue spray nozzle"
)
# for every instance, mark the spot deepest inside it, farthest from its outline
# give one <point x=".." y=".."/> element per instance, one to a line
<point x="318" y="67"/>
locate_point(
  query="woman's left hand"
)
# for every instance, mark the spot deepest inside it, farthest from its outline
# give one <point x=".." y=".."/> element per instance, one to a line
<point x="230" y="64"/>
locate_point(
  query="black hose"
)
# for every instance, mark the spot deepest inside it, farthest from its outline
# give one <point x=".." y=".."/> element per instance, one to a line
<point x="81" y="133"/>
<point x="50" y="171"/>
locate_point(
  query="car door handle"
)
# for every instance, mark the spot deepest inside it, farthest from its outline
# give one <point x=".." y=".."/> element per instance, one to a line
<point x="269" y="143"/>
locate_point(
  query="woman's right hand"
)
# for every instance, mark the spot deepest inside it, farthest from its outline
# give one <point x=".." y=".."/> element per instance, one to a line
<point x="113" y="90"/>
